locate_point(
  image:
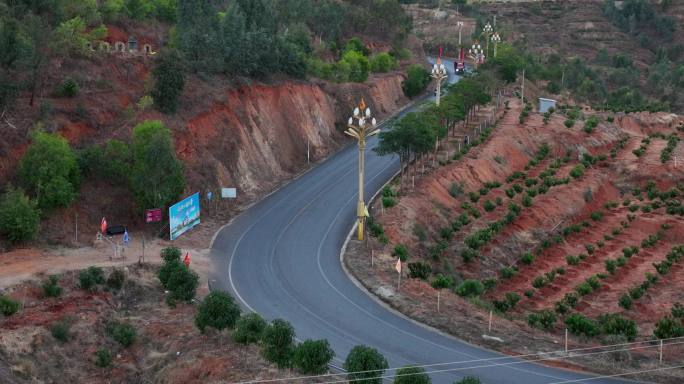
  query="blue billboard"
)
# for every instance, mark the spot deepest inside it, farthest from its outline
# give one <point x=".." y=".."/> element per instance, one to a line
<point x="184" y="215"/>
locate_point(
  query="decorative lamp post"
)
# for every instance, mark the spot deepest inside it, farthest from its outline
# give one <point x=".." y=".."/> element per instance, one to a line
<point x="496" y="39"/>
<point x="439" y="73"/>
<point x="487" y="31"/>
<point x="361" y="126"/>
<point x="477" y="53"/>
<point x="460" y="26"/>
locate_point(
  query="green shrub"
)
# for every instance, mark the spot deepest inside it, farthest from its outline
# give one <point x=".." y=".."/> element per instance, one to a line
<point x="249" y="328"/>
<point x="441" y="282"/>
<point x="470" y="288"/>
<point x="90" y="278"/>
<point x="469" y="254"/>
<point x="445" y="233"/>
<point x="577" y="171"/>
<point x="51" y="287"/>
<point x="419" y="270"/>
<point x="584" y="289"/>
<point x="401" y="252"/>
<point x="590" y="124"/>
<point x="611" y="266"/>
<point x="218" y="310"/>
<point x="365" y="365"/>
<point x="278" y="342"/>
<point x="169" y="254"/>
<point x="67" y="88"/>
<point x="527" y="258"/>
<point x="61" y="331"/>
<point x="116" y="279"/>
<point x="312" y="357"/>
<point x="668" y="327"/>
<point x="180" y="280"/>
<point x="474" y="196"/>
<point x="489" y="206"/>
<point x="544" y="319"/>
<point x="572" y="260"/>
<point x="412" y="375"/>
<point x="527" y="201"/>
<point x="123" y="333"/>
<point x="103" y="358"/>
<point x="8" y="307"/>
<point x="388" y="201"/>
<point x="508" y="272"/>
<point x="581" y="325"/>
<point x="614" y="324"/>
<point x="678" y="311"/>
<point x="625" y="301"/>
<point x="19" y="217"/>
<point x="455" y="190"/>
<point x="569" y="123"/>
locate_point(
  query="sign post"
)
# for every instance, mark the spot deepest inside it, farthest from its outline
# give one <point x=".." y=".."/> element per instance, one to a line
<point x="183" y="216"/>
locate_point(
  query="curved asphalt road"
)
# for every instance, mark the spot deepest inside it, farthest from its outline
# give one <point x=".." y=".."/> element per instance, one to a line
<point x="280" y="258"/>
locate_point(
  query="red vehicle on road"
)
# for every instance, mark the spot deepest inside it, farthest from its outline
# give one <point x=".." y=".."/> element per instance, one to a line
<point x="459" y="65"/>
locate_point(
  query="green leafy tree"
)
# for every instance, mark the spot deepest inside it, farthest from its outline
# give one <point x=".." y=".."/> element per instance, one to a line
<point x="197" y="33"/>
<point x="19" y="216"/>
<point x="169" y="81"/>
<point x="278" y="342"/>
<point x="358" y="66"/>
<point x="382" y="62"/>
<point x="49" y="171"/>
<point x="469" y="380"/>
<point x="312" y="356"/>
<point x="157" y="175"/>
<point x="412" y="375"/>
<point x="365" y="365"/>
<point x="417" y="79"/>
<point x="218" y="310"/>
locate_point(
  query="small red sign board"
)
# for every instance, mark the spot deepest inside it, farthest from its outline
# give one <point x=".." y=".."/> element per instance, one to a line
<point x="153" y="215"/>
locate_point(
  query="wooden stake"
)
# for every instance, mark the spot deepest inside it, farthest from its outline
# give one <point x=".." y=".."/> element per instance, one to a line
<point x="661" y="351"/>
<point x="566" y="340"/>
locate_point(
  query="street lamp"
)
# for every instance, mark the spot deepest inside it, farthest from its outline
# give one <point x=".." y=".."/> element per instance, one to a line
<point x="359" y="128"/>
<point x="496" y="39"/>
<point x="439" y="73"/>
<point x="460" y="26"/>
<point x="487" y="31"/>
<point x="477" y="53"/>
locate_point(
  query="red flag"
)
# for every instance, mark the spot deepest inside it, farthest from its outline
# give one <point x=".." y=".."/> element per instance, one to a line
<point x="103" y="226"/>
<point x="186" y="261"/>
<point x="441" y="51"/>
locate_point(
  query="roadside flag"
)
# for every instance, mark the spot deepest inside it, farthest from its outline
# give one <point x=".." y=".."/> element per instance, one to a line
<point x="103" y="226"/>
<point x="398" y="266"/>
<point x="125" y="237"/>
<point x="186" y="261"/>
<point x="365" y="212"/>
<point x="441" y="51"/>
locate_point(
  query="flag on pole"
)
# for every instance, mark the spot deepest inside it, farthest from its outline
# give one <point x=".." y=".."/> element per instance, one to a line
<point x="186" y="261"/>
<point x="125" y="237"/>
<point x="103" y="225"/>
<point x="398" y="266"/>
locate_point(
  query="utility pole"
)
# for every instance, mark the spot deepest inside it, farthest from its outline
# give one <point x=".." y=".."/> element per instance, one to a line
<point x="460" y="27"/>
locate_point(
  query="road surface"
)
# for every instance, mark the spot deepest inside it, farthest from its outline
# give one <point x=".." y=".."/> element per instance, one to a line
<point x="280" y="258"/>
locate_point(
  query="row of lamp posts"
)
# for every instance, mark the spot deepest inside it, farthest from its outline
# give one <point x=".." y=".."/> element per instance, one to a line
<point x="362" y="125"/>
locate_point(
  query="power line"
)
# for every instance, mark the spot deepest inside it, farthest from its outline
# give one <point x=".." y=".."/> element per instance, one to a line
<point x="618" y="375"/>
<point x="520" y="359"/>
<point x="501" y="365"/>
